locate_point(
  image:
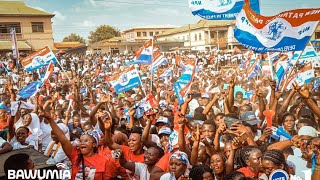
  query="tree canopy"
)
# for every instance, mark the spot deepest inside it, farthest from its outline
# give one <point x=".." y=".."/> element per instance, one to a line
<point x="103" y="32"/>
<point x="73" y="37"/>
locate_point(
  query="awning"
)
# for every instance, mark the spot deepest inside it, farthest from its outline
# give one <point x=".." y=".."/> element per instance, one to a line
<point x="22" y="45"/>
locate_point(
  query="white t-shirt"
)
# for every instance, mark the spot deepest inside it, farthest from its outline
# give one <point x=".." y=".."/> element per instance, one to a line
<point x="59" y="157"/>
<point x="45" y="137"/>
<point x="31" y="140"/>
<point x="141" y="169"/>
<point x="301" y="165"/>
<point x="2" y="141"/>
<point x="167" y="176"/>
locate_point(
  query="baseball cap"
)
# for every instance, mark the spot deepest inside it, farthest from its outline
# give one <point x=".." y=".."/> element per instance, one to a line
<point x="308" y="131"/>
<point x="250" y="118"/>
<point x="205" y="95"/>
<point x="164" y="130"/>
<point x="162" y="120"/>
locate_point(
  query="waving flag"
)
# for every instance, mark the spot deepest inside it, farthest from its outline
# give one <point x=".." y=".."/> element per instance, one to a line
<point x="145" y="105"/>
<point x="125" y="80"/>
<point x="144" y="54"/>
<point x="2" y="106"/>
<point x="281" y="69"/>
<point x="49" y="73"/>
<point x="30" y="89"/>
<point x="220" y="9"/>
<point x="183" y="84"/>
<point x="305" y="75"/>
<point x="286" y="31"/>
<point x="308" y="55"/>
<point x="13" y="36"/>
<point x="158" y="60"/>
<point x="166" y="72"/>
<point x="253" y="70"/>
<point x="38" y="59"/>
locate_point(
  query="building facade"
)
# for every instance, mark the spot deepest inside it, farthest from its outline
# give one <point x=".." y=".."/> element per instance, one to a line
<point x="133" y="39"/>
<point x="204" y="35"/>
<point x="33" y="27"/>
<point x="143" y="33"/>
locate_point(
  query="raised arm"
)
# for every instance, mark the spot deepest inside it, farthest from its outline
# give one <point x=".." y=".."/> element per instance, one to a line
<point x="110" y="143"/>
<point x="231" y="92"/>
<point x="126" y="164"/>
<point x="286" y="102"/>
<point x="195" y="148"/>
<point x="146" y="137"/>
<point x="304" y="92"/>
<point x="11" y="131"/>
<point x="210" y="104"/>
<point x="65" y="142"/>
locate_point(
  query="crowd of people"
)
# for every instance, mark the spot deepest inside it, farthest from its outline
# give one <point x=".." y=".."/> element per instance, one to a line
<point x="219" y="132"/>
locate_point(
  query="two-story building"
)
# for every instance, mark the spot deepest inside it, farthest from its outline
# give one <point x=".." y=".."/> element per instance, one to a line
<point x="204" y="35"/>
<point x="33" y="27"/>
<point x="133" y="38"/>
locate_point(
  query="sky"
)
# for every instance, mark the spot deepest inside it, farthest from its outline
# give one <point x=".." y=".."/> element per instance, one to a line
<point x="83" y="16"/>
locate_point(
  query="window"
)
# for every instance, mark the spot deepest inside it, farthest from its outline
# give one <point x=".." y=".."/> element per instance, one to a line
<point x="5" y="27"/>
<point x="138" y="34"/>
<point x="200" y="38"/>
<point x="144" y="34"/>
<point x="151" y="33"/>
<point x="195" y="37"/>
<point x="37" y="27"/>
<point x="187" y="37"/>
<point x="157" y="32"/>
<point x="317" y="35"/>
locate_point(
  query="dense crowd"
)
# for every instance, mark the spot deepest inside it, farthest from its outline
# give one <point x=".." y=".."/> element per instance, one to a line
<point x="222" y="130"/>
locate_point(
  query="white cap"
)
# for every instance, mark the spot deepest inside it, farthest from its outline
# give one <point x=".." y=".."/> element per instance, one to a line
<point x="308" y="131"/>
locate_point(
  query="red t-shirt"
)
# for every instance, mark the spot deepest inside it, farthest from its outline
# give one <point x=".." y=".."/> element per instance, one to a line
<point x="129" y="156"/>
<point x="163" y="163"/>
<point x="247" y="172"/>
<point x="95" y="166"/>
<point x="3" y="125"/>
<point x="114" y="166"/>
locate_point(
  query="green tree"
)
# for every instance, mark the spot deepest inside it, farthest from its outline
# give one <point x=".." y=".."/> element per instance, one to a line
<point x="73" y="37"/>
<point x="103" y="32"/>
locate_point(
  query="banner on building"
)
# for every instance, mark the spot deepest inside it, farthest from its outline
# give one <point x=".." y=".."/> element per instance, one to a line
<point x="13" y="36"/>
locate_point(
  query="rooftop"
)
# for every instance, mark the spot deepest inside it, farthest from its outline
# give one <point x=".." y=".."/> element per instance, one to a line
<point x="165" y="26"/>
<point x="17" y="8"/>
<point x="200" y="24"/>
<point x="66" y="45"/>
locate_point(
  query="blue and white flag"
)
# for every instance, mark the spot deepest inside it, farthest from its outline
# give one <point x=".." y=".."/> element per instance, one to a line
<point x="2" y="106"/>
<point x="286" y="31"/>
<point x="220" y="9"/>
<point x="158" y="60"/>
<point x="125" y="80"/>
<point x="308" y="55"/>
<point x="144" y="54"/>
<point x="166" y="72"/>
<point x="183" y="84"/>
<point x="30" y="89"/>
<point x="38" y="59"/>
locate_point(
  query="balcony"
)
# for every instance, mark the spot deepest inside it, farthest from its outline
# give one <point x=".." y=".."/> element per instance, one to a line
<point x="214" y="41"/>
<point x="6" y="36"/>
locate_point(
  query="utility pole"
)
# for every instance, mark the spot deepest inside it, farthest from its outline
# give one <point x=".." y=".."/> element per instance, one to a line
<point x="189" y="38"/>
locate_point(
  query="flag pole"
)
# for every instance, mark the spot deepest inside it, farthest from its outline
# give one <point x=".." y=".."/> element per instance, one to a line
<point x="293" y="67"/>
<point x="270" y="65"/>
<point x="151" y="65"/>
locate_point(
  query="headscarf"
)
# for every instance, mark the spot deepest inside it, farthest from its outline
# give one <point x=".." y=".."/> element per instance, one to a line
<point x="183" y="157"/>
<point x="34" y="126"/>
<point x="93" y="134"/>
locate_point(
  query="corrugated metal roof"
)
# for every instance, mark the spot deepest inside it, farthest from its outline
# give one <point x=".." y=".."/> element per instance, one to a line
<point x="16" y="8"/>
<point x="22" y="45"/>
<point x="200" y="24"/>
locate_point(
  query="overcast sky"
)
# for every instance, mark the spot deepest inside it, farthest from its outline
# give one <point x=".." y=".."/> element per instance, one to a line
<point x="83" y="16"/>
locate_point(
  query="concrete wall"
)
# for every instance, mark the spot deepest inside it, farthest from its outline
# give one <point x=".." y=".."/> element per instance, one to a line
<point x="36" y="40"/>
